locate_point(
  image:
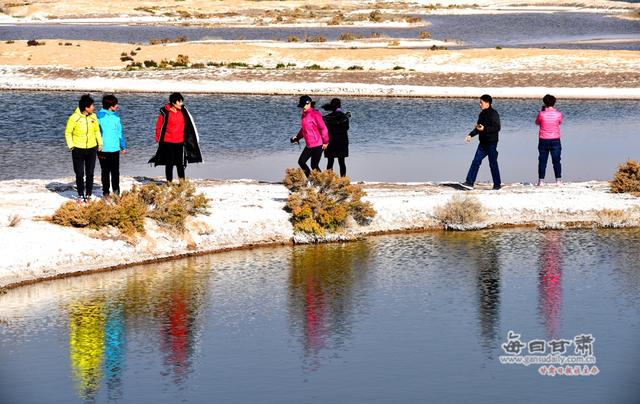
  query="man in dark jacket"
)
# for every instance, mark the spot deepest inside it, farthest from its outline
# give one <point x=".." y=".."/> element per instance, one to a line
<point x="487" y="128"/>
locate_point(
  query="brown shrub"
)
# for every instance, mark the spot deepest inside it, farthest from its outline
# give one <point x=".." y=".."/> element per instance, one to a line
<point x="627" y="178"/>
<point x="460" y="211"/>
<point x="424" y="35"/>
<point x="325" y="202"/>
<point x="168" y="204"/>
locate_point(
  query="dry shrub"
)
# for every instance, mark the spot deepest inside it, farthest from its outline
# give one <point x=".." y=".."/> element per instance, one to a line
<point x="424" y="35"/>
<point x="627" y="178"/>
<point x="460" y="212"/>
<point x="14" y="220"/>
<point x="325" y="202"/>
<point x="169" y="204"/>
<point x="348" y="36"/>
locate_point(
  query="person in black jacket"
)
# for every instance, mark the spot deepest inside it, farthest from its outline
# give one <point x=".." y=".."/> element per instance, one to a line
<point x="487" y="128"/>
<point x="338" y="125"/>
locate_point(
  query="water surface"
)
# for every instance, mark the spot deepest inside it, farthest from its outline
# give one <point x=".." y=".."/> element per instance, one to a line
<point x="415" y="318"/>
<point x="391" y="139"/>
<point x="558" y="30"/>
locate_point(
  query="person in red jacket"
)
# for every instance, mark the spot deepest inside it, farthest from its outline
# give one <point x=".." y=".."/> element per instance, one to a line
<point x="549" y="120"/>
<point x="177" y="138"/>
<point x="315" y="134"/>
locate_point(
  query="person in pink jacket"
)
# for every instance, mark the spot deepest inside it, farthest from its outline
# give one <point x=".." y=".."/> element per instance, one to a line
<point x="315" y="134"/>
<point x="549" y="120"/>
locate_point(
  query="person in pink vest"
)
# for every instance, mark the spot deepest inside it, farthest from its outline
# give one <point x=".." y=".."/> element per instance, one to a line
<point x="549" y="120"/>
<point x="315" y="134"/>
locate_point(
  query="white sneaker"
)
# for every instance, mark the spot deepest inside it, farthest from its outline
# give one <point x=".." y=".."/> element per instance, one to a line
<point x="540" y="183"/>
<point x="558" y="181"/>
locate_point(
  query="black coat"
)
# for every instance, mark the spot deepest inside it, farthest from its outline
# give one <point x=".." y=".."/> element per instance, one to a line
<point x="338" y="125"/>
<point x="490" y="119"/>
<point x="191" y="147"/>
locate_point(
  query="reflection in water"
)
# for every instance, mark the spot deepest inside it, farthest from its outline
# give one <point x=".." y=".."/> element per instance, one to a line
<point x="115" y="343"/>
<point x="550" y="282"/>
<point x="180" y="309"/>
<point x="87" y="346"/>
<point x="169" y="302"/>
<point x="322" y="284"/>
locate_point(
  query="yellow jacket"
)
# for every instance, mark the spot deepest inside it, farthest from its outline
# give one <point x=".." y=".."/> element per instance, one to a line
<point x="82" y="131"/>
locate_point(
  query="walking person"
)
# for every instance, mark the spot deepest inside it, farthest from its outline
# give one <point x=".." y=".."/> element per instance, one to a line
<point x="315" y="134"/>
<point x="549" y="120"/>
<point x="83" y="138"/>
<point x="113" y="143"/>
<point x="487" y="128"/>
<point x="338" y="126"/>
<point x="177" y="138"/>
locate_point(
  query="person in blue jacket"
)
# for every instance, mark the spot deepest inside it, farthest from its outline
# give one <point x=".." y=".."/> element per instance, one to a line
<point x="113" y="144"/>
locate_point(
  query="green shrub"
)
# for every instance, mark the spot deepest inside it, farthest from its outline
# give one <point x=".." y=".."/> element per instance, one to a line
<point x="460" y="211"/>
<point x="169" y="204"/>
<point x="314" y="67"/>
<point x="280" y="66"/>
<point x="233" y="65"/>
<point x="398" y="68"/>
<point x="150" y="63"/>
<point x="325" y="202"/>
<point x="126" y="58"/>
<point x="35" y="42"/>
<point x="355" y="67"/>
<point x="627" y="178"/>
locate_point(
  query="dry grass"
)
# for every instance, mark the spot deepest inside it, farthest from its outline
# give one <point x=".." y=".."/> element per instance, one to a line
<point x="14" y="220"/>
<point x="613" y="218"/>
<point x="168" y="204"/>
<point x="627" y="178"/>
<point x="325" y="203"/>
<point x="460" y="212"/>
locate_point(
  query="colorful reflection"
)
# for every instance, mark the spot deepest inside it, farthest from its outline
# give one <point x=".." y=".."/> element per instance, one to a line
<point x="550" y="282"/>
<point x="161" y="306"/>
<point x="322" y="284"/>
<point x="87" y="346"/>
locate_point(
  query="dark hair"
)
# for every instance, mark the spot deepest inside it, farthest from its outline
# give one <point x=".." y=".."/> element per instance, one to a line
<point x="85" y="102"/>
<point x="549" y="100"/>
<point x="175" y="97"/>
<point x="109" y="101"/>
<point x="333" y="105"/>
<point x="486" y="98"/>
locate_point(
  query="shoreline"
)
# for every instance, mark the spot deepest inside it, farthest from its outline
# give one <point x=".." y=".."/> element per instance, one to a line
<point x="247" y="214"/>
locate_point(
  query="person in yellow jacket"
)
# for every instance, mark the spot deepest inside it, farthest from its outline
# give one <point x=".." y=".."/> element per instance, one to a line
<point x="84" y="141"/>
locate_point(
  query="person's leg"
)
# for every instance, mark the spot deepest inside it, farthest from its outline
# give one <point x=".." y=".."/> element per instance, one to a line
<point x="78" y="169"/>
<point x="556" y="151"/>
<point x="168" y="172"/>
<point x="90" y="164"/>
<point x="543" y="156"/>
<point x="475" y="165"/>
<point x="179" y="159"/>
<point x="316" y="155"/>
<point x="492" y="152"/>
<point x="104" y="172"/>
<point x="302" y="161"/>
<point x="115" y="172"/>
<point x="343" y="166"/>
<point x="330" y="163"/>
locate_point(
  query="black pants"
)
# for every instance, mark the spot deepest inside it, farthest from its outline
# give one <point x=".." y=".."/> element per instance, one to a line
<point x="341" y="163"/>
<point x="175" y="153"/>
<point x="315" y="153"/>
<point x="84" y="161"/>
<point x="110" y="171"/>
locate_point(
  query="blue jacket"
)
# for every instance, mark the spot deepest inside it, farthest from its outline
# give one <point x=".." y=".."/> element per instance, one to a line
<point x="111" y="128"/>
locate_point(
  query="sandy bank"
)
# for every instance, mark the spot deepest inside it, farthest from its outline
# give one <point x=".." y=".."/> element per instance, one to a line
<point x="279" y="68"/>
<point x="246" y="213"/>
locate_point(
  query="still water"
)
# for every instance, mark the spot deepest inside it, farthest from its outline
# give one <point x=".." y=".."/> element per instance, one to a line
<point x="558" y="30"/>
<point x="391" y="139"/>
<point x="411" y="318"/>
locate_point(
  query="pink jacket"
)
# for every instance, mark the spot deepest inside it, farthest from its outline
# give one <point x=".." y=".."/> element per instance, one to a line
<point x="313" y="129"/>
<point x="549" y="121"/>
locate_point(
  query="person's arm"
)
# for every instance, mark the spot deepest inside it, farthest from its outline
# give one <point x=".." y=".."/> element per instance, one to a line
<point x="98" y="134"/>
<point x="561" y="117"/>
<point x="539" y="118"/>
<point x="123" y="141"/>
<point x="159" y="123"/>
<point x="68" y="132"/>
<point x="324" y="132"/>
